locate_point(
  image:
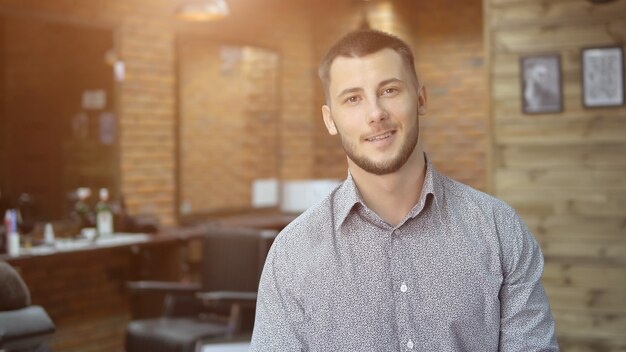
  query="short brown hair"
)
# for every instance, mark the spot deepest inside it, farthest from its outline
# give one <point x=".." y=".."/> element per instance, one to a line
<point x="361" y="43"/>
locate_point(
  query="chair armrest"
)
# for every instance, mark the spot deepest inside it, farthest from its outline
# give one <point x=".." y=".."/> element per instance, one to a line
<point x="24" y="328"/>
<point x="235" y="299"/>
<point x="177" y="305"/>
<point x="164" y="287"/>
<point x="227" y="297"/>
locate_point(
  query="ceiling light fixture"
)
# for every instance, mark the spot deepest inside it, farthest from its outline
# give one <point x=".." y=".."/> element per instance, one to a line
<point x="204" y="10"/>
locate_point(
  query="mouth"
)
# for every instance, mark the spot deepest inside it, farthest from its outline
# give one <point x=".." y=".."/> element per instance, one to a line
<point x="380" y="136"/>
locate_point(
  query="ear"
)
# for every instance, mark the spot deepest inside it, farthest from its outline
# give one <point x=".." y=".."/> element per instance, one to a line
<point x="422" y="101"/>
<point x="328" y="120"/>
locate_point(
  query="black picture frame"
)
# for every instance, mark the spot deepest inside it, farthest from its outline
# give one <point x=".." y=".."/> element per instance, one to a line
<point x="602" y="75"/>
<point x="541" y="79"/>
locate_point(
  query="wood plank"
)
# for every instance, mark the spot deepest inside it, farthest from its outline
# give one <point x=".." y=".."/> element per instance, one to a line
<point x="530" y="206"/>
<point x="576" y="343"/>
<point x="590" y="248"/>
<point x="509" y="109"/>
<point x="560" y="202"/>
<point x="558" y="37"/>
<point x="572" y="158"/>
<point x="577" y="227"/>
<point x="569" y="275"/>
<point x="555" y="180"/>
<point x="529" y="13"/>
<point x="554" y="130"/>
<point x="594" y="325"/>
<point x="586" y="300"/>
<point x="610" y="208"/>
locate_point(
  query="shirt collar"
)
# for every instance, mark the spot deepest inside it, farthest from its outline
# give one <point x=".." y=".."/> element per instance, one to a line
<point x="432" y="185"/>
<point x="347" y="196"/>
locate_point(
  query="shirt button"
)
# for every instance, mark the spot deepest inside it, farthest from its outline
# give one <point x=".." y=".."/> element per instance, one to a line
<point x="409" y="344"/>
<point x="404" y="288"/>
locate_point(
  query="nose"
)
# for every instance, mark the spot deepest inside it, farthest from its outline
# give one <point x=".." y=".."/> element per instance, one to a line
<point x="377" y="112"/>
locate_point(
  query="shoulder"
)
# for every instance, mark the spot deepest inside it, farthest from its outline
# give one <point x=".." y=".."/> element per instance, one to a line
<point x="491" y="217"/>
<point x="494" y="215"/>
<point x="312" y="226"/>
<point x="475" y="200"/>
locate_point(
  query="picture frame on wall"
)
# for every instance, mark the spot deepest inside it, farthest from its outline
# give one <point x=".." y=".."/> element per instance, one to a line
<point x="541" y="84"/>
<point x="602" y="76"/>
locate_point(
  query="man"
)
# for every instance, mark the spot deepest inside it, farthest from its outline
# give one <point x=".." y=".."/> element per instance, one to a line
<point x="399" y="257"/>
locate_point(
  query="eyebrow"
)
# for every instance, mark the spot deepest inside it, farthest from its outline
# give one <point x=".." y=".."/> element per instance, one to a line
<point x="358" y="89"/>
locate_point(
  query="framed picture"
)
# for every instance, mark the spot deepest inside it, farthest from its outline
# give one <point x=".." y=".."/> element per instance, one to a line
<point x="603" y="76"/>
<point x="541" y="84"/>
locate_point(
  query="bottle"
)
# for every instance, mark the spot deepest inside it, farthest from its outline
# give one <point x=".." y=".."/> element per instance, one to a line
<point x="48" y="234"/>
<point x="104" y="215"/>
<point x="13" y="239"/>
<point x="4" y="228"/>
<point x="7" y="231"/>
<point x="82" y="213"/>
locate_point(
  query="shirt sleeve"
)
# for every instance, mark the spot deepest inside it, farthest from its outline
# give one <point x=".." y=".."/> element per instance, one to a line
<point x="277" y="311"/>
<point x="526" y="323"/>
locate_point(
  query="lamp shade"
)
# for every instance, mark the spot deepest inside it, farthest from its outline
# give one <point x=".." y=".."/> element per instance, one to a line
<point x="202" y="10"/>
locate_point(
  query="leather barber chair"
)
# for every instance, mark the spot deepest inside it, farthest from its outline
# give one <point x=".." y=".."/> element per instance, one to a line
<point x="220" y="308"/>
<point x="23" y="327"/>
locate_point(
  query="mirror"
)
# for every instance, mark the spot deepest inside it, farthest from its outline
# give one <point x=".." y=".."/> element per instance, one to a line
<point x="228" y="126"/>
<point x="57" y="124"/>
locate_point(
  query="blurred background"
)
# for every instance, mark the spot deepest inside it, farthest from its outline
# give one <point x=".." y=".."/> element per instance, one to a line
<point x="189" y="120"/>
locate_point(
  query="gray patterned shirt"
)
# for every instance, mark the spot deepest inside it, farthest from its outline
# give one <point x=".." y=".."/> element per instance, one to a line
<point x="461" y="272"/>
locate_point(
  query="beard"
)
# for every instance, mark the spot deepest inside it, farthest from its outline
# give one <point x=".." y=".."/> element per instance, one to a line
<point x="384" y="167"/>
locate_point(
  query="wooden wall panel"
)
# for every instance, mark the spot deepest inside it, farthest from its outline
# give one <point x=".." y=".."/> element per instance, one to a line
<point x="561" y="130"/>
<point x="534" y="38"/>
<point x="565" y="173"/>
<point x="554" y="12"/>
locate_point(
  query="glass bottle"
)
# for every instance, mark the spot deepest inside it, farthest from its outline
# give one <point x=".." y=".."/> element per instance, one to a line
<point x="104" y="215"/>
<point x="82" y="212"/>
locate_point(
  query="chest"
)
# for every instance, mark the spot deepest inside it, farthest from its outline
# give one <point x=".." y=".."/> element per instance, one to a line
<point x="386" y="284"/>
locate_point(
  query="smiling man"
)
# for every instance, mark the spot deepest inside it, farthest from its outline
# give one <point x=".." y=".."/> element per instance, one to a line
<point x="399" y="257"/>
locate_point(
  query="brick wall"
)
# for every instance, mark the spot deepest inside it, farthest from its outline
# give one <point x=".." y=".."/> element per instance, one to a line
<point x="146" y="110"/>
<point x="228" y="122"/>
<point x="285" y="27"/>
<point x="450" y="62"/>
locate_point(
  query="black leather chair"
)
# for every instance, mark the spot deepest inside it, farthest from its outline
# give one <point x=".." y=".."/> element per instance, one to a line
<point x="218" y="309"/>
<point x="23" y="327"/>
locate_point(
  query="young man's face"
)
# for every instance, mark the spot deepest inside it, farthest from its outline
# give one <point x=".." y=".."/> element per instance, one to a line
<point x="373" y="106"/>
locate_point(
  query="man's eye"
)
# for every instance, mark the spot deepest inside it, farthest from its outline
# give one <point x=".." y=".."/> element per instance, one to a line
<point x="352" y="99"/>
<point x="389" y="91"/>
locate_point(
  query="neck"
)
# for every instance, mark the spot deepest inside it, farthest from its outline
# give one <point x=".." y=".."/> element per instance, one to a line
<point x="392" y="196"/>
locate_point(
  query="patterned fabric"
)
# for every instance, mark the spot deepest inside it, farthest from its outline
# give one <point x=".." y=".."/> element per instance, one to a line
<point x="461" y="272"/>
